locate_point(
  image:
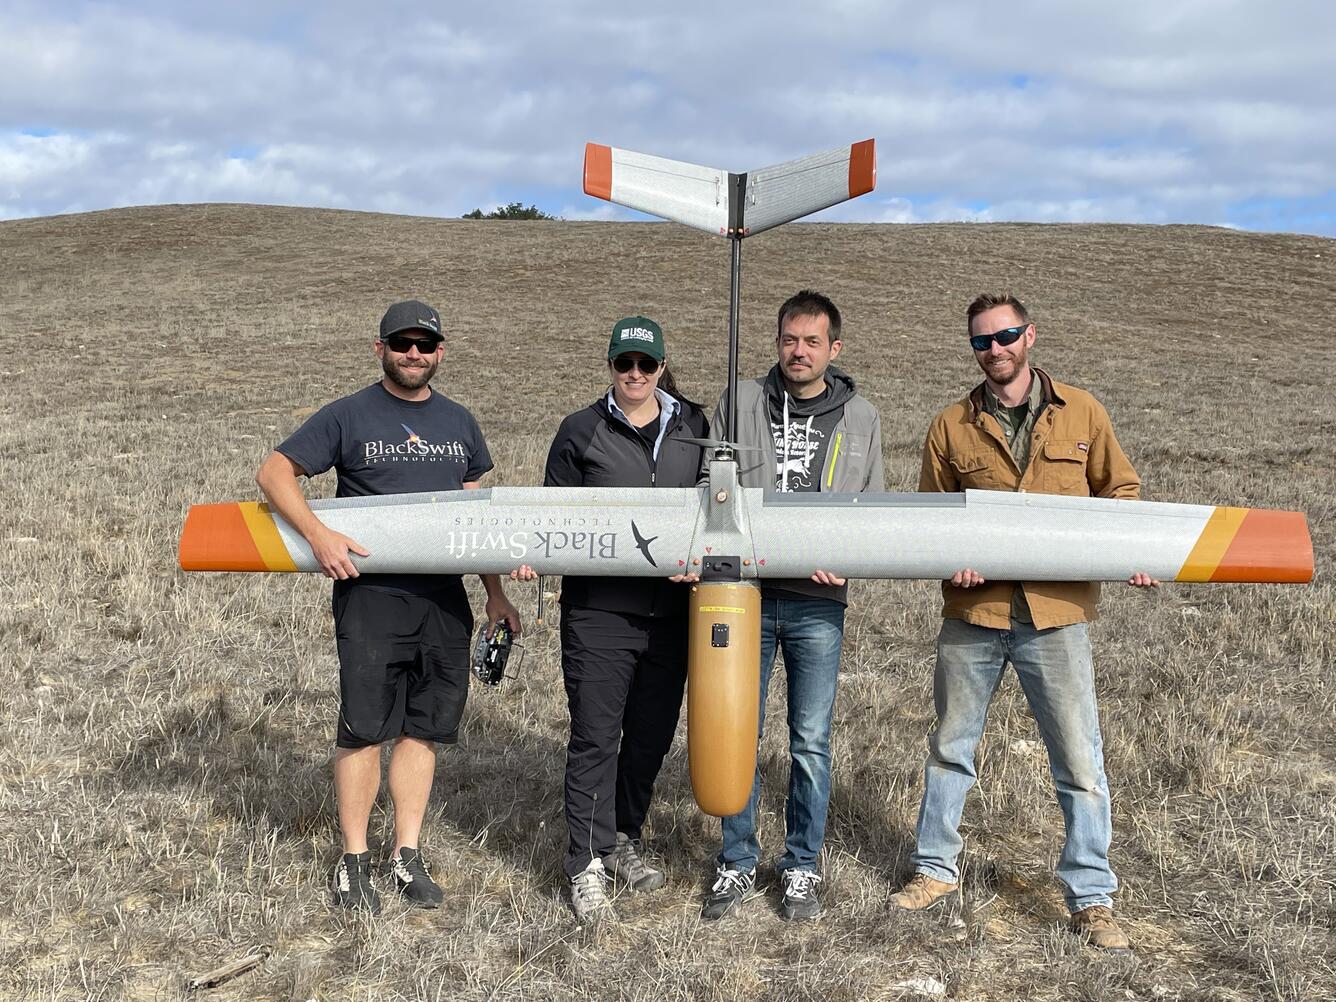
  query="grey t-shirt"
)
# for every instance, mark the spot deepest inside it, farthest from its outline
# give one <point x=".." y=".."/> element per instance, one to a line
<point x="379" y="444"/>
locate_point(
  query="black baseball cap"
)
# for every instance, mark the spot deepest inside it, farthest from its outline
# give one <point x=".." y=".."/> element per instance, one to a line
<point x="410" y="315"/>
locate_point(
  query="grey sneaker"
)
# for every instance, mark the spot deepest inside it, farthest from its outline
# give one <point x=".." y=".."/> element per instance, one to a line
<point x="412" y="880"/>
<point x="352" y="883"/>
<point x="589" y="894"/>
<point x="630" y="868"/>
<point x="800" y="897"/>
<point x="731" y="888"/>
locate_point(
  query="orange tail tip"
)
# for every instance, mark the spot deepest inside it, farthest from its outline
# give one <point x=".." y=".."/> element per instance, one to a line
<point x="232" y="537"/>
<point x="862" y="167"/>
<point x="598" y="171"/>
<point x="1252" y="545"/>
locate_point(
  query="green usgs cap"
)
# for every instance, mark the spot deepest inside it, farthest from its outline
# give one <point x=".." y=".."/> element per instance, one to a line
<point x="636" y="334"/>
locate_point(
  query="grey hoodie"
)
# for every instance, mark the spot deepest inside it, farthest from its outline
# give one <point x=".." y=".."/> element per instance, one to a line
<point x="852" y="464"/>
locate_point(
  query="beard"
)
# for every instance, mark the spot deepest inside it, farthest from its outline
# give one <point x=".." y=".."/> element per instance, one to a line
<point x="407" y="378"/>
<point x="803" y="377"/>
<point x="1008" y="368"/>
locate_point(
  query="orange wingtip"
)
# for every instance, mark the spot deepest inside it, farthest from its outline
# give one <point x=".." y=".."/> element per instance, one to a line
<point x="1270" y="547"/>
<point x="598" y="171"/>
<point x="862" y="167"/>
<point x="232" y="537"/>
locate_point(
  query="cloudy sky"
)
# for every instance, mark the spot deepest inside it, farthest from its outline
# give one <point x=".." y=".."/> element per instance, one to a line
<point x="1203" y="111"/>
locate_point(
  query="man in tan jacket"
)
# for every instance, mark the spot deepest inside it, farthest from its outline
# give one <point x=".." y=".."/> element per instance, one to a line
<point x="1020" y="430"/>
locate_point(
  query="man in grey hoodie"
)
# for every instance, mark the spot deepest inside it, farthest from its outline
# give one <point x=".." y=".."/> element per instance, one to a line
<point x="814" y="433"/>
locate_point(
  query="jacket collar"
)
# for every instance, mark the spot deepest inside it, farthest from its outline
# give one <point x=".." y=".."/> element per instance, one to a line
<point x="669" y="407"/>
<point x="1048" y="394"/>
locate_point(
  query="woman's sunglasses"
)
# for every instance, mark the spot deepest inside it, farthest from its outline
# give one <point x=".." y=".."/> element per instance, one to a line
<point x="648" y="366"/>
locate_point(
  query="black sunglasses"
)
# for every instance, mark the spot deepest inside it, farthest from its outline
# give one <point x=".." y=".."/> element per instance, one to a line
<point x="648" y="366"/>
<point x="1004" y="337"/>
<point x="402" y="343"/>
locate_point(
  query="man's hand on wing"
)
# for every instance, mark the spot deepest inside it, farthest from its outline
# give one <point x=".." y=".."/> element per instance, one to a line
<point x="333" y="552"/>
<point x="967" y="578"/>
<point x="1143" y="580"/>
<point x="524" y="573"/>
<point x="827" y="578"/>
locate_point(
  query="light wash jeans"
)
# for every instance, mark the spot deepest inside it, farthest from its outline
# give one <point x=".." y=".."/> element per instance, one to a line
<point x="810" y="633"/>
<point x="1055" y="671"/>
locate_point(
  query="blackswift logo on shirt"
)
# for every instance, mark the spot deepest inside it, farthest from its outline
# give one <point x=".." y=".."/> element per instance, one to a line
<point x="414" y="448"/>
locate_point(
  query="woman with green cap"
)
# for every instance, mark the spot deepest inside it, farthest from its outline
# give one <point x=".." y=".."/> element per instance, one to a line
<point x="623" y="639"/>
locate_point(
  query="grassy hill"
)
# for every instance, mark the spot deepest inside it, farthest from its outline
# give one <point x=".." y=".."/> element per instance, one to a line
<point x="165" y="798"/>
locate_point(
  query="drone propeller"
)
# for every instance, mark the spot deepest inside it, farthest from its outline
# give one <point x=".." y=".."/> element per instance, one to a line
<point x="716" y="443"/>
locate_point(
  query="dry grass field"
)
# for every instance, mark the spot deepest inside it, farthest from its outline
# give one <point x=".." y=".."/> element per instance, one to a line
<point x="165" y="799"/>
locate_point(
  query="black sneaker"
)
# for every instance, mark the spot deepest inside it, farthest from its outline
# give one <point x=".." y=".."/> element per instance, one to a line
<point x="411" y="879"/>
<point x="800" y="897"/>
<point x="731" y="888"/>
<point x="352" y="883"/>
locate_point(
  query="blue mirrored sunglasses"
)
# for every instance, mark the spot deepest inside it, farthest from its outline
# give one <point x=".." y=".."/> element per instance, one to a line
<point x="1004" y="337"/>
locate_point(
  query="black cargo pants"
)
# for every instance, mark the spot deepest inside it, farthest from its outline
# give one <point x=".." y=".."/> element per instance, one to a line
<point x="624" y="680"/>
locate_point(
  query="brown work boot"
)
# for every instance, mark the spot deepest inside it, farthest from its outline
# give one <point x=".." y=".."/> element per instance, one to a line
<point x="921" y="892"/>
<point x="1097" y="927"/>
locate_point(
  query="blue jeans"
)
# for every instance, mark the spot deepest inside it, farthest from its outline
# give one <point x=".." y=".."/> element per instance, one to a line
<point x="810" y="633"/>
<point x="1057" y="676"/>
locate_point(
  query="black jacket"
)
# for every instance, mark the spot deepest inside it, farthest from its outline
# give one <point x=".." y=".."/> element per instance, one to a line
<point x="595" y="447"/>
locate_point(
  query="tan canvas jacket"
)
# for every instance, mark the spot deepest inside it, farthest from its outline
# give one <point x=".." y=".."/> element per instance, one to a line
<point x="1073" y="451"/>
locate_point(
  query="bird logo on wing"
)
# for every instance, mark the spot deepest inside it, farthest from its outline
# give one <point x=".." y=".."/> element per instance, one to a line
<point x="642" y="544"/>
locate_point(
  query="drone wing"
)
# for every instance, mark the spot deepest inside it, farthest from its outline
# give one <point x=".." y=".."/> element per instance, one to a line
<point x="555" y="530"/>
<point x="1024" y="537"/>
<point x="656" y="532"/>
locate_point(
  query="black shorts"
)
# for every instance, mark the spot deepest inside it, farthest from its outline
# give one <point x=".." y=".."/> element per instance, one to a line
<point x="403" y="664"/>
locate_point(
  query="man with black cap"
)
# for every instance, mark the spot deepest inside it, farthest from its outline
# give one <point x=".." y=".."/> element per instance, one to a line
<point x="403" y="639"/>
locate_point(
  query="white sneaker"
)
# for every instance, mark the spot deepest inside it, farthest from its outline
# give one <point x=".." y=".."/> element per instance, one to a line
<point x="589" y="894"/>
